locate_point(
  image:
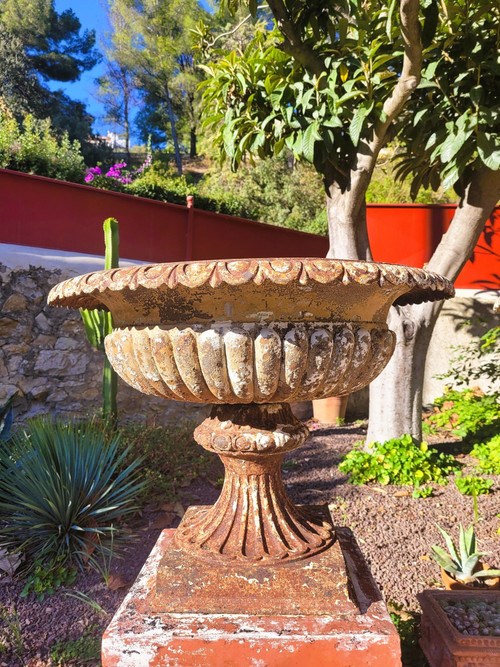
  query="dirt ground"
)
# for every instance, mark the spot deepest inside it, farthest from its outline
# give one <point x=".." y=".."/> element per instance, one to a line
<point x="394" y="531"/>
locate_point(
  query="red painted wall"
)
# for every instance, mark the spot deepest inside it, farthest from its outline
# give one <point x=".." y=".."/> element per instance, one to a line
<point x="42" y="212"/>
<point x="409" y="234"/>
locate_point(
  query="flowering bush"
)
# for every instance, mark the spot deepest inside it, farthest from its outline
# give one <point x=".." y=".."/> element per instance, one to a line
<point x="117" y="175"/>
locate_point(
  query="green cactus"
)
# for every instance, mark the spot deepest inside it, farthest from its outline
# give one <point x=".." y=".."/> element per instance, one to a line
<point x="99" y="323"/>
<point x="461" y="562"/>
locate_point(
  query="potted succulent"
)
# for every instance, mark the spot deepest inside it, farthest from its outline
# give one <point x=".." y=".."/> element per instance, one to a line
<point x="462" y="568"/>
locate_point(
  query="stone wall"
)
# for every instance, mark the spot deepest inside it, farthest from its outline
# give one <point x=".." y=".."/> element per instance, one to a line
<point x="45" y="357"/>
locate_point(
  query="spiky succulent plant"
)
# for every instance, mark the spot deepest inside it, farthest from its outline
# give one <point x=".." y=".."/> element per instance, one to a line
<point x="461" y="562"/>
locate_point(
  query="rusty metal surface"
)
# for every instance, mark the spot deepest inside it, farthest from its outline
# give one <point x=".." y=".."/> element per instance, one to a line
<point x="260" y="364"/>
<point x="253" y="521"/>
<point x="187" y="584"/>
<point x="95" y="290"/>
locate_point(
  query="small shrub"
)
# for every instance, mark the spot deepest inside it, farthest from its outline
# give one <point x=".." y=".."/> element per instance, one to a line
<point x="46" y="577"/>
<point x="407" y="625"/>
<point x="467" y="414"/>
<point x="275" y="190"/>
<point x="398" y="461"/>
<point x="422" y="492"/>
<point x="171" y="458"/>
<point x="488" y="455"/>
<point x="62" y="488"/>
<point x="11" y="635"/>
<point x="478" y="359"/>
<point x="473" y="486"/>
<point x="80" y="651"/>
<point x="35" y="148"/>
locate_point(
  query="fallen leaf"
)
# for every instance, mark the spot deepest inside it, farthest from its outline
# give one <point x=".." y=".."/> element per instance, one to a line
<point x="117" y="581"/>
<point x="165" y="520"/>
<point x="402" y="494"/>
<point x="179" y="510"/>
<point x="167" y="507"/>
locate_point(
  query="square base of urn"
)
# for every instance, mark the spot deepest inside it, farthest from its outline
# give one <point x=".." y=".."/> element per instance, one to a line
<point x="322" y="610"/>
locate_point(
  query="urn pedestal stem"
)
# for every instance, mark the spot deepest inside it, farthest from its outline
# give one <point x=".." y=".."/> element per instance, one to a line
<point x="253" y="520"/>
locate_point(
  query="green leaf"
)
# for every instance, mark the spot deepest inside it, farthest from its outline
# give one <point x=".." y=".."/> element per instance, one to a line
<point x="450" y="177"/>
<point x="308" y="140"/>
<point x="390" y="12"/>
<point x="453" y="144"/>
<point x="357" y="122"/>
<point x="488" y="147"/>
<point x="449" y="543"/>
<point x="476" y="94"/>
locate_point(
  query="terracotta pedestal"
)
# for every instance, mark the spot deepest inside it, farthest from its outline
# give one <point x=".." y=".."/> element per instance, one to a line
<point x="331" y="613"/>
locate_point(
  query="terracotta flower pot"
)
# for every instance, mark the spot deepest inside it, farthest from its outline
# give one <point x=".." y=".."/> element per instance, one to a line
<point x="443" y="644"/>
<point x="330" y="410"/>
<point x="452" y="584"/>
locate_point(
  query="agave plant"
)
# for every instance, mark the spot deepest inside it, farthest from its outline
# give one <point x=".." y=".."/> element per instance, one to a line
<point x="63" y="487"/>
<point x="463" y="563"/>
<point x="7" y="417"/>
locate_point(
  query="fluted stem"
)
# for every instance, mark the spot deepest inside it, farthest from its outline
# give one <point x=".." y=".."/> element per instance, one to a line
<point x="254" y="520"/>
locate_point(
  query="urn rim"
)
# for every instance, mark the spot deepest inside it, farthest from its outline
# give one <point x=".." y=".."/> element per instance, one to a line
<point x="418" y="285"/>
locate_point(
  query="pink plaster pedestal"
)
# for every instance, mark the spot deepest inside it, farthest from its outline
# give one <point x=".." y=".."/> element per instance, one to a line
<point x="350" y="628"/>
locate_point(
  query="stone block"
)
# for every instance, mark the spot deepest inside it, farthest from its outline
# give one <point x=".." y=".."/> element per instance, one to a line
<point x="6" y="391"/>
<point x="14" y="363"/>
<point x="7" y="326"/>
<point x="14" y="303"/>
<point x="43" y="323"/>
<point x="348" y="631"/>
<point x="65" y="343"/>
<point x="61" y="363"/>
<point x="44" y="340"/>
<point x="16" y="348"/>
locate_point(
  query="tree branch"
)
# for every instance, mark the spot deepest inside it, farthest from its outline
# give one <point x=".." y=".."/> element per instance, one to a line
<point x="235" y="29"/>
<point x="457" y="245"/>
<point x="293" y="44"/>
<point x="407" y="83"/>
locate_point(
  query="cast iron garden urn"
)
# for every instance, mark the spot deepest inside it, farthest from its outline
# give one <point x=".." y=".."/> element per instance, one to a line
<point x="249" y="336"/>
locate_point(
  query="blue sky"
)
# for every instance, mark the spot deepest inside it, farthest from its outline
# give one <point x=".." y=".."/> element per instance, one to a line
<point x="92" y="16"/>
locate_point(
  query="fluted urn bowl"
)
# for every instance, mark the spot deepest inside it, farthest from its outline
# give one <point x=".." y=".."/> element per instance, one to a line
<point x="250" y="331"/>
<point x="251" y="335"/>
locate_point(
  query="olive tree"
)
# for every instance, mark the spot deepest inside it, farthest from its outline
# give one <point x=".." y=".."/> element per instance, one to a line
<point x="332" y="83"/>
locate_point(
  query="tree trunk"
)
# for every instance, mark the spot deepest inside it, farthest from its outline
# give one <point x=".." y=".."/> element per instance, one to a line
<point x="396" y="395"/>
<point x="346" y="214"/>
<point x="192" y="142"/>
<point x="171" y="118"/>
<point x="126" y="124"/>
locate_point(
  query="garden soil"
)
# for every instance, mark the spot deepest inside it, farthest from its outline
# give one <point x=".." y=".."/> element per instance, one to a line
<point x="394" y="531"/>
